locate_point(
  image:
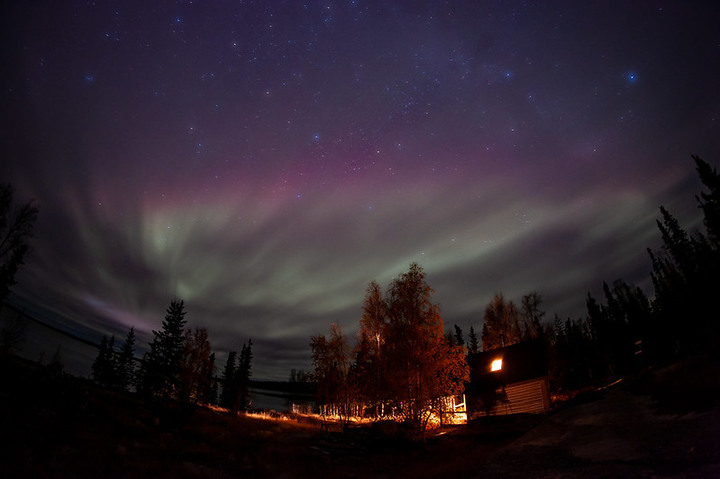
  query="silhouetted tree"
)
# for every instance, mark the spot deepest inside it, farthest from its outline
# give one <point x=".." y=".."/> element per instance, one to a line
<point x="161" y="363"/>
<point x="298" y="376"/>
<point x="212" y="383"/>
<point x="369" y="367"/>
<point x="709" y="202"/>
<point x="242" y="377"/>
<point x="632" y="309"/>
<point x="196" y="367"/>
<point x="16" y="230"/>
<point x="229" y="390"/>
<point x="125" y="362"/>
<point x="572" y="355"/>
<point x="627" y="313"/>
<point x="685" y="275"/>
<point x="630" y="330"/>
<point x="619" y="330"/>
<point x="104" y="367"/>
<point x="459" y="340"/>
<point x="677" y="244"/>
<point x="13" y="333"/>
<point x="502" y="326"/>
<point x="532" y="315"/>
<point x="473" y="344"/>
<point x="331" y="363"/>
<point x="603" y="334"/>
<point x="236" y="375"/>
<point x="56" y="368"/>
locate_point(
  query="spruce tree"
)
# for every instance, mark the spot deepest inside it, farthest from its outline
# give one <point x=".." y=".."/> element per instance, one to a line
<point x="685" y="275"/>
<point x="211" y="392"/>
<point x="103" y="368"/>
<point x="227" y="396"/>
<point x="473" y="344"/>
<point x="162" y="362"/>
<point x="243" y="373"/>
<point x="98" y="366"/>
<point x="16" y="230"/>
<point x="125" y="365"/>
<point x="459" y="340"/>
<point x="710" y="202"/>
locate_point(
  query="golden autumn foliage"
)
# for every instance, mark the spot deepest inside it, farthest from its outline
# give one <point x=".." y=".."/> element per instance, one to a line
<point x="403" y="364"/>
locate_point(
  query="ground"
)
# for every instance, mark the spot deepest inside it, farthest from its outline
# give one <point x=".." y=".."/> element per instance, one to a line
<point x="662" y="423"/>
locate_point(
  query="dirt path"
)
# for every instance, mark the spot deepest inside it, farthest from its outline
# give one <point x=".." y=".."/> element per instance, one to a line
<point x="619" y="435"/>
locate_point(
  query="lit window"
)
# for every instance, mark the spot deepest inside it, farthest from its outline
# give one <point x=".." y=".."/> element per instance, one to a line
<point x="496" y="365"/>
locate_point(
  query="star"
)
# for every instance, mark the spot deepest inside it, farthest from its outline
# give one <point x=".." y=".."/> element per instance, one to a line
<point x="349" y="136"/>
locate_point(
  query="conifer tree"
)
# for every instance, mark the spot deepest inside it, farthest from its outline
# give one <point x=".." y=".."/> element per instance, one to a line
<point x="473" y="345"/>
<point x="459" y="340"/>
<point x="56" y="367"/>
<point x="98" y="365"/>
<point x="161" y="364"/>
<point x="686" y="272"/>
<point x="710" y="202"/>
<point x="211" y="393"/>
<point x="104" y="370"/>
<point x="125" y="365"/>
<point x="227" y="396"/>
<point x="16" y="230"/>
<point x="242" y="378"/>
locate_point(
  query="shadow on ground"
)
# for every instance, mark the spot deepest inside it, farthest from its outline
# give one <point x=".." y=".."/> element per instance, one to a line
<point x="663" y="423"/>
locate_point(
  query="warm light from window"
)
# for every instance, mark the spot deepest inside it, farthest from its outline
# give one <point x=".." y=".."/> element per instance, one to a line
<point x="496" y="365"/>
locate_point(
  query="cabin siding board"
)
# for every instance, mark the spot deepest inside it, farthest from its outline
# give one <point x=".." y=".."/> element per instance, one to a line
<point x="527" y="397"/>
<point x="523" y="380"/>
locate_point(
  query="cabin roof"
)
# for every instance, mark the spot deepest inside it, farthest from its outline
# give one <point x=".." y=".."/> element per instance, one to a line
<point x="520" y="362"/>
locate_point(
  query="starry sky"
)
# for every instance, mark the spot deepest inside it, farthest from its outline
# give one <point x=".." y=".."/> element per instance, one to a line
<point x="264" y="161"/>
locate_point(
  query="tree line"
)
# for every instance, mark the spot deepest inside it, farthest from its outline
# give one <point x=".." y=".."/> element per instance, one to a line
<point x="403" y="361"/>
<point x="629" y="329"/>
<point x="504" y="324"/>
<point x="626" y="329"/>
<point x="179" y="365"/>
<point x="402" y="365"/>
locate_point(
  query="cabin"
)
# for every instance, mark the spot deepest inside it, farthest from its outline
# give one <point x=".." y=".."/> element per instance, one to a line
<point x="509" y="380"/>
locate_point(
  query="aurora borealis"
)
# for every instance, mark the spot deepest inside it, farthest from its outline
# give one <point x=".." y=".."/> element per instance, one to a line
<point x="264" y="161"/>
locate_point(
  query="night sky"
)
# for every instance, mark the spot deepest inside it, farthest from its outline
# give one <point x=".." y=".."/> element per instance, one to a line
<point x="264" y="161"/>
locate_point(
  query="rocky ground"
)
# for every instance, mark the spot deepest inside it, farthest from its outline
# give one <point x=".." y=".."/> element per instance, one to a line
<point x="663" y="423"/>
